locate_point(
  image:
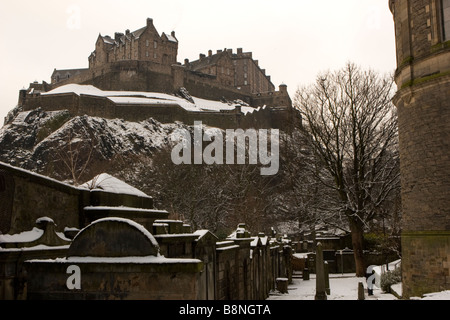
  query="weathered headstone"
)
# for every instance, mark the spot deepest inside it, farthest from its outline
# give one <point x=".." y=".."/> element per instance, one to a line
<point x="361" y="295"/>
<point x="305" y="274"/>
<point x="320" y="275"/>
<point x="282" y="285"/>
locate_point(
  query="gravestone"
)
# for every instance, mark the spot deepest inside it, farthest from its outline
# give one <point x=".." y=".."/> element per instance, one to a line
<point x="306" y="274"/>
<point x="361" y="295"/>
<point x="327" y="277"/>
<point x="282" y="285"/>
<point x="320" y="275"/>
<point x="115" y="258"/>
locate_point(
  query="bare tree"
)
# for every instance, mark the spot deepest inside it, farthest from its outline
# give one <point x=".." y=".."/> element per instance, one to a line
<point x="75" y="155"/>
<point x="304" y="198"/>
<point x="351" y="125"/>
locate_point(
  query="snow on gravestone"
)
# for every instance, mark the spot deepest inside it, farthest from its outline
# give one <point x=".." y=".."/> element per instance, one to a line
<point x="114" y="237"/>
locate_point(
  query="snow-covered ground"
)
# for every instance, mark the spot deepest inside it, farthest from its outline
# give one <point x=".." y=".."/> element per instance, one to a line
<point x="342" y="287"/>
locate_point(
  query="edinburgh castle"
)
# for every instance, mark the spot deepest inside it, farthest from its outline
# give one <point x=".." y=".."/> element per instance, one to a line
<point x="145" y="61"/>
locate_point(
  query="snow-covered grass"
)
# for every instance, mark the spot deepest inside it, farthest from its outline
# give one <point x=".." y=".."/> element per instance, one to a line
<point x="443" y="295"/>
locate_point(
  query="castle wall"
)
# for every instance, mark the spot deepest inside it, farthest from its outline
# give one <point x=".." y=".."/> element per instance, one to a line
<point x="103" y="107"/>
<point x="423" y="103"/>
<point x="202" y="88"/>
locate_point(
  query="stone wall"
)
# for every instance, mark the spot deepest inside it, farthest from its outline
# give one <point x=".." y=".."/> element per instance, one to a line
<point x="115" y="258"/>
<point x="118" y="259"/>
<point x="423" y="102"/>
<point x="33" y="196"/>
<point x="124" y="249"/>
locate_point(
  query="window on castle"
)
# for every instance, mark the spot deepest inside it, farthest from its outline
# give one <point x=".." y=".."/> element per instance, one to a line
<point x="446" y="19"/>
<point x="147" y="43"/>
<point x="2" y="183"/>
<point x="155" y="55"/>
<point x="146" y="54"/>
<point x="155" y="44"/>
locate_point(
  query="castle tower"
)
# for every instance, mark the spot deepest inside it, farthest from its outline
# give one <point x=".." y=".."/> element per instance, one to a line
<point x="422" y="31"/>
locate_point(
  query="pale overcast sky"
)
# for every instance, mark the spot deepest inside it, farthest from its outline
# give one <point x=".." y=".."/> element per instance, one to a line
<point x="293" y="40"/>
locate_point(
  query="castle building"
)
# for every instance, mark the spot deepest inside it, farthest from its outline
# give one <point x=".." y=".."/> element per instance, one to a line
<point x="219" y="66"/>
<point x="61" y="75"/>
<point x="422" y="32"/>
<point x="145" y="61"/>
<point x="233" y="69"/>
<point x="150" y="63"/>
<point x="144" y="44"/>
<point x="248" y="74"/>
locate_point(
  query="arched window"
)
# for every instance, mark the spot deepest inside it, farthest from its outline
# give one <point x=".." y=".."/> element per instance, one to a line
<point x="2" y="183"/>
<point x="446" y="19"/>
<point x="6" y="200"/>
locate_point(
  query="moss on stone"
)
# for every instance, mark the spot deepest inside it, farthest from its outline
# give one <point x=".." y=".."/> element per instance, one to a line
<point x="430" y="77"/>
<point x="406" y="61"/>
<point x="440" y="46"/>
<point x="52" y="125"/>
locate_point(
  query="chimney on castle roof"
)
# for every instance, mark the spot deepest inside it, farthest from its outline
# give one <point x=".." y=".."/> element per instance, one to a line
<point x="173" y="33"/>
<point x="209" y="53"/>
<point x="239" y="50"/>
<point x="127" y="32"/>
<point x="186" y="62"/>
<point x="230" y="50"/>
<point x="283" y="88"/>
<point x="117" y="36"/>
<point x="201" y="56"/>
<point x="219" y="51"/>
<point x="256" y="62"/>
<point x="149" y="22"/>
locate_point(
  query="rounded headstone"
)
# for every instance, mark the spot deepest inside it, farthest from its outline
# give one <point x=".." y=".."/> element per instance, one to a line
<point x="113" y="237"/>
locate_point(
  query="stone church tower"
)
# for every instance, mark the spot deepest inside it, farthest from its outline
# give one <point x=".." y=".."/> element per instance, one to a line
<point x="422" y="31"/>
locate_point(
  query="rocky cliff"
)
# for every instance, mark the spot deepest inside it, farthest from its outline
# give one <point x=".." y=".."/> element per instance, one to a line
<point x="74" y="149"/>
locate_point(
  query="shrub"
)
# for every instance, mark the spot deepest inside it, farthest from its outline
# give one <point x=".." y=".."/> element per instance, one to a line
<point x="53" y="124"/>
<point x="389" y="278"/>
